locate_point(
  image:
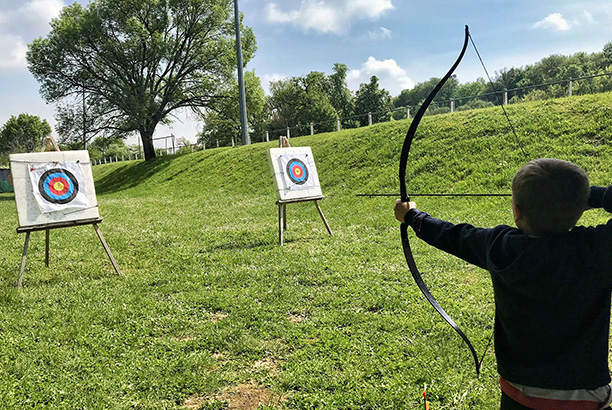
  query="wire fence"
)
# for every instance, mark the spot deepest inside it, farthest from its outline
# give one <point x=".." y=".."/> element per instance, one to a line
<point x="554" y="89"/>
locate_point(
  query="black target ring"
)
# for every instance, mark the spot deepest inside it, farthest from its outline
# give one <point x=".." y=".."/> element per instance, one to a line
<point x="297" y="171"/>
<point x="58" y="186"/>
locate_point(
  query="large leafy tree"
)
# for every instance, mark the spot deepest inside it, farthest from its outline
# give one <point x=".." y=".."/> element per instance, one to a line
<point x="23" y="133"/>
<point x="372" y="99"/>
<point x="300" y="101"/>
<point x="136" y="62"/>
<point x="223" y="123"/>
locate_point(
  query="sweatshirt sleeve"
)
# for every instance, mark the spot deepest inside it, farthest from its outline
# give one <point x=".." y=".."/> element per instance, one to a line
<point x="601" y="197"/>
<point x="462" y="240"/>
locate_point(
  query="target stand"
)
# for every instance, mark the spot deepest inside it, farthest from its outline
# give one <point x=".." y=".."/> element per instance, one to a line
<point x="54" y="190"/>
<point x="282" y="215"/>
<point x="47" y="228"/>
<point x="296" y="180"/>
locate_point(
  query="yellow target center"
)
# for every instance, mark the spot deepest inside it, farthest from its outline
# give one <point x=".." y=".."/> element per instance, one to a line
<point x="298" y="171"/>
<point x="58" y="186"/>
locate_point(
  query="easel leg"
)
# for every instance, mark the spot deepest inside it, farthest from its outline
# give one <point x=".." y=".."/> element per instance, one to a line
<point x="107" y="249"/>
<point x="323" y="217"/>
<point x="281" y="223"/>
<point x="23" y="259"/>
<point x="285" y="217"/>
<point x="47" y="248"/>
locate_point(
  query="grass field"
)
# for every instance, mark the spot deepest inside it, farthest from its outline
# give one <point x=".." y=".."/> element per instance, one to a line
<point x="212" y="314"/>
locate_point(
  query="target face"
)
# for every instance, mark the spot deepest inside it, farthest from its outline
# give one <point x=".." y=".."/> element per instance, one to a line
<point x="58" y="186"/>
<point x="297" y="171"/>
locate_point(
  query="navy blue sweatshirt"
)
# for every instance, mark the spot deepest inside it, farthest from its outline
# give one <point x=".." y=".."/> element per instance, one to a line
<point x="552" y="295"/>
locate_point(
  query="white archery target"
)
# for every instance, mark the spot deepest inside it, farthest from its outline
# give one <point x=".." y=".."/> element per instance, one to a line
<point x="295" y="173"/>
<point x="53" y="187"/>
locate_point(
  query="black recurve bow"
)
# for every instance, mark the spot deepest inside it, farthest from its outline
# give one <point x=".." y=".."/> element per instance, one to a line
<point x="405" y="198"/>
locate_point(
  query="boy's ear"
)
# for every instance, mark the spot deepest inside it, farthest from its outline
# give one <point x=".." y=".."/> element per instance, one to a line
<point x="518" y="214"/>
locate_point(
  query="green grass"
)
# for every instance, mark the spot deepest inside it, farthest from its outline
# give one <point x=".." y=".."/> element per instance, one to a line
<point x="210" y="308"/>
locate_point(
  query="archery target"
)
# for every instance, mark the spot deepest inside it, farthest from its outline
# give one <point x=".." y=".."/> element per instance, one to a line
<point x="295" y="173"/>
<point x="58" y="186"/>
<point x="53" y="187"/>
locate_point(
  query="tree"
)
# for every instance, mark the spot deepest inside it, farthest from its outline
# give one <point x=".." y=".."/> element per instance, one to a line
<point x="301" y="101"/>
<point x="23" y="133"/>
<point x="340" y="96"/>
<point x="136" y="62"/>
<point x="223" y="123"/>
<point x="372" y="99"/>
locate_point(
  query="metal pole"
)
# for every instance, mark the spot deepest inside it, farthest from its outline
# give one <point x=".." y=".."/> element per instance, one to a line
<point x="84" y="123"/>
<point x="243" y="113"/>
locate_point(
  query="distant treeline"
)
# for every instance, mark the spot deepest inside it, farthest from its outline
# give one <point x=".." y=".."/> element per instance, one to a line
<point x="315" y="102"/>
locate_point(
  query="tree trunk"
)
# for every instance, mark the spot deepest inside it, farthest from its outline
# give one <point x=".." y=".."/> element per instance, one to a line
<point x="146" y="136"/>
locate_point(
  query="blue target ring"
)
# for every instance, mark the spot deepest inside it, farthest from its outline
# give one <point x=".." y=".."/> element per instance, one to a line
<point x="58" y="186"/>
<point x="297" y="171"/>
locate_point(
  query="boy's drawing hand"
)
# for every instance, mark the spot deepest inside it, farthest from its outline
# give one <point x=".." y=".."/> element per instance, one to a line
<point x="401" y="208"/>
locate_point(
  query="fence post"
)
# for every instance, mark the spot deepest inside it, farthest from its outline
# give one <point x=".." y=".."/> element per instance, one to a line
<point x="505" y="96"/>
<point x="569" y="88"/>
<point x="408" y="113"/>
<point x="288" y="133"/>
<point x="217" y="143"/>
<point x="116" y="159"/>
<point x="232" y="141"/>
<point x="311" y="128"/>
<point x="452" y="105"/>
<point x="338" y="124"/>
<point x="267" y="136"/>
<point x="369" y="118"/>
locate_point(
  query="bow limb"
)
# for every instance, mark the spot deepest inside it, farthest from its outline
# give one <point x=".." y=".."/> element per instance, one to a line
<point x="405" y="198"/>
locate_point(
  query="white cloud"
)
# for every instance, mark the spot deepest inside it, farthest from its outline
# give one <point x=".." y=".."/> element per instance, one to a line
<point x="391" y="76"/>
<point x="19" y="26"/>
<point x="268" y="78"/>
<point x="40" y="12"/>
<point x="553" y="21"/>
<point x="328" y="16"/>
<point x="13" y="50"/>
<point x="587" y="17"/>
<point x="382" y="34"/>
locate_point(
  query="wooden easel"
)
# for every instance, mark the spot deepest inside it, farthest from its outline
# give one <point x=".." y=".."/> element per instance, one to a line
<point x="282" y="204"/>
<point x="47" y="144"/>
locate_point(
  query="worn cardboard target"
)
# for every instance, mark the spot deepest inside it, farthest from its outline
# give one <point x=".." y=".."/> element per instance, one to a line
<point x="53" y="187"/>
<point x="295" y="173"/>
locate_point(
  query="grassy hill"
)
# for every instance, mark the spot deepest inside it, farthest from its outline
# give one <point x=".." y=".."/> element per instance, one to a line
<point x="211" y="313"/>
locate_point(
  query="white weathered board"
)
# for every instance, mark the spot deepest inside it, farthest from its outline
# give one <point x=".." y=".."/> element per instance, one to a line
<point x="30" y="211"/>
<point x="295" y="173"/>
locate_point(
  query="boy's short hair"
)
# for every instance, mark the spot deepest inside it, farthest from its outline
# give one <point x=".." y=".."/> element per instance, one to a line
<point x="551" y="193"/>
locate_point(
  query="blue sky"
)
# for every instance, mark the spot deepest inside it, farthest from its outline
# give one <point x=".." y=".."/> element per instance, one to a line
<point x="403" y="42"/>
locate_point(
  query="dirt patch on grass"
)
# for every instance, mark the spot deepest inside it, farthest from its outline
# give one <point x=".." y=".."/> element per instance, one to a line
<point x="248" y="397"/>
<point x="218" y="316"/>
<point x="296" y="317"/>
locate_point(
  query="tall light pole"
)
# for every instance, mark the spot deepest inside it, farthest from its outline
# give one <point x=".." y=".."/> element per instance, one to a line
<point x="246" y="140"/>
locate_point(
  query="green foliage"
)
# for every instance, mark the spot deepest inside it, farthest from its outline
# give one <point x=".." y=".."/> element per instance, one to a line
<point x="373" y="100"/>
<point x="301" y="101"/>
<point x="223" y="123"/>
<point x="135" y="62"/>
<point x="209" y="302"/>
<point x="23" y="133"/>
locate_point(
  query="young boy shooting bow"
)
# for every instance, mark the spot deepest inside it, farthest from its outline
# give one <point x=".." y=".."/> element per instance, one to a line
<point x="552" y="282"/>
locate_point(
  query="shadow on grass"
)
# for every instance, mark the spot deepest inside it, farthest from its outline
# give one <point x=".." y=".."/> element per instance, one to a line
<point x="7" y="197"/>
<point x="130" y="176"/>
<point x="238" y="245"/>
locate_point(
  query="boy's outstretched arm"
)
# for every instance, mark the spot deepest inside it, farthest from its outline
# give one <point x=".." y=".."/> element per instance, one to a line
<point x="601" y="197"/>
<point x="402" y="208"/>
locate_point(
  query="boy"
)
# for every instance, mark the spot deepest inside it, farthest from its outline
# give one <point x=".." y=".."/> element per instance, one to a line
<point x="552" y="283"/>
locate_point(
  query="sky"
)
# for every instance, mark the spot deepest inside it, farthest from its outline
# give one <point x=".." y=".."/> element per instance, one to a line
<point x="402" y="42"/>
